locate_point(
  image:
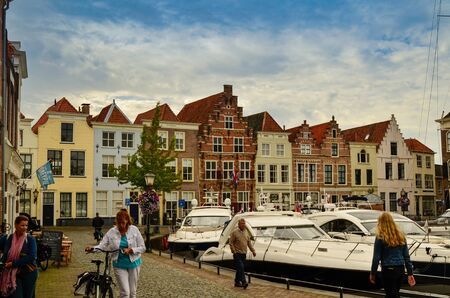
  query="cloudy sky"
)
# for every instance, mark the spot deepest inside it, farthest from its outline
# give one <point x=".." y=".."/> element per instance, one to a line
<point x="360" y="61"/>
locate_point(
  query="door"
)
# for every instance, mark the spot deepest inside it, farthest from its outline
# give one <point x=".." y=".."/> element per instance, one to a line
<point x="134" y="212"/>
<point x="48" y="209"/>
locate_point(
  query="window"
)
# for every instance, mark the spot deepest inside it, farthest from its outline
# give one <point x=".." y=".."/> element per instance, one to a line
<point x="306" y="135"/>
<point x="419" y="180"/>
<point x="81" y="201"/>
<point x="300" y="172"/>
<point x="261" y="173"/>
<point x="108" y="139"/>
<point x="48" y="198"/>
<point x="429" y="182"/>
<point x="179" y="141"/>
<point x="217" y="144"/>
<point x="172" y="165"/>
<point x="244" y="167"/>
<point x="226" y="195"/>
<point x="238" y="144"/>
<point x="66" y="132"/>
<point x="210" y="169"/>
<point x="25" y="201"/>
<point x="117" y="201"/>
<point x="265" y="149"/>
<point x="312" y="173"/>
<point x="171" y="205"/>
<point x="77" y="163"/>
<point x="124" y="163"/>
<point x="188" y="196"/>
<point x="65" y="204"/>
<point x="358" y="176"/>
<point x="328" y="169"/>
<point x="388" y="170"/>
<point x="305" y="149"/>
<point x="107" y="163"/>
<point x="393" y="148"/>
<point x="428" y="162"/>
<point x="363" y="157"/>
<point x="27" y="162"/>
<point x="334" y="149"/>
<point x="101" y="203"/>
<point x="127" y="140"/>
<point x="392" y="201"/>
<point x="228" y="167"/>
<point x="280" y="149"/>
<point x="163" y="139"/>
<point x="228" y="122"/>
<point x="334" y="133"/>
<point x="341" y="174"/>
<point x="284" y="173"/>
<point x="401" y="171"/>
<point x="56" y="160"/>
<point x="273" y="174"/>
<point x="419" y="161"/>
<point x="369" y="176"/>
<point x="243" y="200"/>
<point x="188" y="169"/>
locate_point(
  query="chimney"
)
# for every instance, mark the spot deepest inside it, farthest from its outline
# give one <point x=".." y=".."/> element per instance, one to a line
<point x="85" y="108"/>
<point x="228" y="89"/>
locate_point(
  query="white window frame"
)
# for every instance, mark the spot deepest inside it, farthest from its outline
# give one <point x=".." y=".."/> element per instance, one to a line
<point x="179" y="140"/>
<point x="244" y="169"/>
<point x="280" y="149"/>
<point x="261" y="173"/>
<point x="228" y="122"/>
<point x="284" y="173"/>
<point x="305" y="149"/>
<point x="107" y="160"/>
<point x="238" y="143"/>
<point x="127" y="140"/>
<point x="217" y="144"/>
<point x="188" y="164"/>
<point x="163" y="139"/>
<point x="265" y="149"/>
<point x="108" y="137"/>
<point x="227" y="171"/>
<point x="210" y="169"/>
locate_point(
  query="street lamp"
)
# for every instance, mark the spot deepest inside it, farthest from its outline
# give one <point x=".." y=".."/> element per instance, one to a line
<point x="149" y="180"/>
<point x="35" y="195"/>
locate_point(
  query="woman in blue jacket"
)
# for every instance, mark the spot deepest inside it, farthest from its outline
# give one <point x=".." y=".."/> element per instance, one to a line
<point x="18" y="278"/>
<point x="390" y="248"/>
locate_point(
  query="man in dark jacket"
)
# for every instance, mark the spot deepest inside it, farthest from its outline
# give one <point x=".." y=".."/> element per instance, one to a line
<point x="98" y="223"/>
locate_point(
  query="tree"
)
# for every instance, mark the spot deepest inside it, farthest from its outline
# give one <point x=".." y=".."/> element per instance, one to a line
<point x="149" y="157"/>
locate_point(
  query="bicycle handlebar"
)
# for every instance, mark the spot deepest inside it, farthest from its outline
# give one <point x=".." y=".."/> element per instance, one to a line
<point x="106" y="251"/>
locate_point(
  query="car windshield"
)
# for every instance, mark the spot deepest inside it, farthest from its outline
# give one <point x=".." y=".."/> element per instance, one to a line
<point x="205" y="221"/>
<point x="373" y="215"/>
<point x="446" y="214"/>
<point x="407" y="227"/>
<point x="305" y="232"/>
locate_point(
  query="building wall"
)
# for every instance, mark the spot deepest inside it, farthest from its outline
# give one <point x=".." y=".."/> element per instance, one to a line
<point x="425" y="195"/>
<point x="279" y="193"/>
<point x="370" y="164"/>
<point x="49" y="138"/>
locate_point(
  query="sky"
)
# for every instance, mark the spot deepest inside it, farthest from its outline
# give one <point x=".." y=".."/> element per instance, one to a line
<point x="359" y="61"/>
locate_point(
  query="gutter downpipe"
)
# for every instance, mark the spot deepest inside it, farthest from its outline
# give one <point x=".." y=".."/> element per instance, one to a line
<point x="3" y="135"/>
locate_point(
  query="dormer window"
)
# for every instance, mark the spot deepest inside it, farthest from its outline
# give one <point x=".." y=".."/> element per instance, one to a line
<point x="363" y="156"/>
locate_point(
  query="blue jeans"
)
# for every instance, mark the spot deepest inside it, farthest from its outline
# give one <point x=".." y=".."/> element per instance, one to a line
<point x="239" y="263"/>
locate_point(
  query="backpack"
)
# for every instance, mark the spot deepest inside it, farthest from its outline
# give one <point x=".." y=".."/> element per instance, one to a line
<point x="84" y="285"/>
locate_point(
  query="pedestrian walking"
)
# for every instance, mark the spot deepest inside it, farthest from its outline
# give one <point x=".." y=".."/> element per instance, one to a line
<point x="391" y="250"/>
<point x="240" y="239"/>
<point x="18" y="279"/>
<point x="127" y="262"/>
<point x="98" y="223"/>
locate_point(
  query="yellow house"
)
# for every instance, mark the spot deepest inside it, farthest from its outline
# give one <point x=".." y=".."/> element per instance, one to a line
<point x="65" y="138"/>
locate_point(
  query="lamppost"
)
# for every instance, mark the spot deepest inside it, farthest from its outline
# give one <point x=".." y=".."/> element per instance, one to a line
<point x="35" y="195"/>
<point x="149" y="180"/>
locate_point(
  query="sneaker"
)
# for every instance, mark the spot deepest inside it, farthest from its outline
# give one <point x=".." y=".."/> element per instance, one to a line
<point x="245" y="286"/>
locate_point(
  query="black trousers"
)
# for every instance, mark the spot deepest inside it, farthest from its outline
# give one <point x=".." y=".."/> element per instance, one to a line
<point x="392" y="279"/>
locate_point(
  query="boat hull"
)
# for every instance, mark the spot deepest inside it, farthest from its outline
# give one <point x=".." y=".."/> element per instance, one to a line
<point x="179" y="246"/>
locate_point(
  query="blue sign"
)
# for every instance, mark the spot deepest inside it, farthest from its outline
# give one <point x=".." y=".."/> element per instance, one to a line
<point x="127" y="201"/>
<point x="181" y="203"/>
<point x="45" y="175"/>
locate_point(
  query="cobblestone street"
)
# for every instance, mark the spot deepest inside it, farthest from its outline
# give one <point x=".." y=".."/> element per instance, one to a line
<point x="160" y="276"/>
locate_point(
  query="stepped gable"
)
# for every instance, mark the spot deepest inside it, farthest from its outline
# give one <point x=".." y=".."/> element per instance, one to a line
<point x="166" y="115"/>
<point x="263" y="122"/>
<point x="198" y="111"/>
<point x="372" y="133"/>
<point x="61" y="106"/>
<point x="111" y="114"/>
<point x="293" y="131"/>
<point x="318" y="132"/>
<point x="415" y="145"/>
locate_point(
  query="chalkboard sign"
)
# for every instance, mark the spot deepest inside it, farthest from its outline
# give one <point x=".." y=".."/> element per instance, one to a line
<point x="54" y="240"/>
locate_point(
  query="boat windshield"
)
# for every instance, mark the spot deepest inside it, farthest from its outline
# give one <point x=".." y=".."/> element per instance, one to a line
<point x="205" y="221"/>
<point x="305" y="232"/>
<point x="407" y="227"/>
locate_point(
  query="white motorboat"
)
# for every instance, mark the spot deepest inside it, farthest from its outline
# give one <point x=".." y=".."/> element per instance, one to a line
<point x="289" y="245"/>
<point x="429" y="254"/>
<point x="200" y="229"/>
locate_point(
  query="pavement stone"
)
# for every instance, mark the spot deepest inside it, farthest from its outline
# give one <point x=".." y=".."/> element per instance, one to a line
<point x="160" y="276"/>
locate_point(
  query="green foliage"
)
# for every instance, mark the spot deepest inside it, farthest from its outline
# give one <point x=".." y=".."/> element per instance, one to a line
<point x="149" y="157"/>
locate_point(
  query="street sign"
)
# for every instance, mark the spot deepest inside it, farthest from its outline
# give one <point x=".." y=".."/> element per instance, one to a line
<point x="127" y="202"/>
<point x="181" y="203"/>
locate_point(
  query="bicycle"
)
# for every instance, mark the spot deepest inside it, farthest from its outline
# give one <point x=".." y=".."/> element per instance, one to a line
<point x="96" y="284"/>
<point x="43" y="254"/>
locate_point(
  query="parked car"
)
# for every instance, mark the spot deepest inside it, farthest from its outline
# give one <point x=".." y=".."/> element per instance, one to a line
<point x="444" y="218"/>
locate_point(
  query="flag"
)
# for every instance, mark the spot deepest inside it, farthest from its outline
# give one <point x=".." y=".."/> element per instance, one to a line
<point x="234" y="177"/>
<point x="45" y="175"/>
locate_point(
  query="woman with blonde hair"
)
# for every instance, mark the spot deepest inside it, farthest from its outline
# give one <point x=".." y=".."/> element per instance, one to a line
<point x="127" y="262"/>
<point x="390" y="248"/>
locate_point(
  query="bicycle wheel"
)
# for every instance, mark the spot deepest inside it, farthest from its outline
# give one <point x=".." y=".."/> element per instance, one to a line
<point x="108" y="293"/>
